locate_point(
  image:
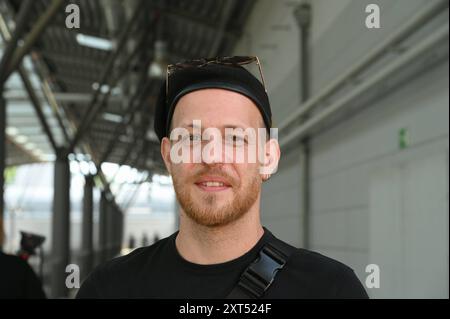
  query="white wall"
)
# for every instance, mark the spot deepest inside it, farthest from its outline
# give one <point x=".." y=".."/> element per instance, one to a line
<point x="345" y="158"/>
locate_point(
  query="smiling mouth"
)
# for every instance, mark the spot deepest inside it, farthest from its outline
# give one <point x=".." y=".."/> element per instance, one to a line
<point x="212" y="186"/>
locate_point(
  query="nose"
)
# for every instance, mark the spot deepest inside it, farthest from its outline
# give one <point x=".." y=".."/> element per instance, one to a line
<point x="214" y="151"/>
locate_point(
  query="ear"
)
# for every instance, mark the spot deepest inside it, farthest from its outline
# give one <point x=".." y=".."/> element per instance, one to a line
<point x="165" y="153"/>
<point x="272" y="154"/>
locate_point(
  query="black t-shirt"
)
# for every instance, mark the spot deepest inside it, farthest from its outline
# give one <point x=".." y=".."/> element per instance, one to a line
<point x="18" y="280"/>
<point x="159" y="271"/>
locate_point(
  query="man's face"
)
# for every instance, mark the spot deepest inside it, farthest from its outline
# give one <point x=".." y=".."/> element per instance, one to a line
<point x="218" y="192"/>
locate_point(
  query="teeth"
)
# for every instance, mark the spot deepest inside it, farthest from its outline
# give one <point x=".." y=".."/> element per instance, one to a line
<point x="213" y="184"/>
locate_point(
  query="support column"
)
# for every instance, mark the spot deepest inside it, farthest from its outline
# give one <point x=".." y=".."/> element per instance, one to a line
<point x="115" y="239"/>
<point x="110" y="221"/>
<point x="87" y="249"/>
<point x="120" y="219"/>
<point x="303" y="15"/>
<point x="60" y="224"/>
<point x="102" y="227"/>
<point x="2" y="162"/>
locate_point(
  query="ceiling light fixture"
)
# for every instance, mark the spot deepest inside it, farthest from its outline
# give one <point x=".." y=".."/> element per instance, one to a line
<point x="95" y="42"/>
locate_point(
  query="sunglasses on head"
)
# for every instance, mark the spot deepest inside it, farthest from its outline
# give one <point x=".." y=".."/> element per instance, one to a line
<point x="198" y="63"/>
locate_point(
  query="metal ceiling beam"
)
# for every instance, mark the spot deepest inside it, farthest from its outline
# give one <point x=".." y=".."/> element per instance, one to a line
<point x="227" y="10"/>
<point x="72" y="59"/>
<point x="32" y="37"/>
<point x="33" y="130"/>
<point x="236" y="24"/>
<point x="131" y="111"/>
<point x="127" y="154"/>
<point x="81" y="84"/>
<point x="55" y="108"/>
<point x="20" y="149"/>
<point x="21" y="23"/>
<point x="33" y="97"/>
<point x="132" y="107"/>
<point x="16" y="60"/>
<point x="37" y="107"/>
<point x="81" y="98"/>
<point x="95" y="107"/>
<point x="191" y="19"/>
<point x="78" y="77"/>
<point x="61" y="97"/>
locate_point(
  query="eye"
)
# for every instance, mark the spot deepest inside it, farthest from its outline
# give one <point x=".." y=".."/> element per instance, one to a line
<point x="196" y="137"/>
<point x="236" y="139"/>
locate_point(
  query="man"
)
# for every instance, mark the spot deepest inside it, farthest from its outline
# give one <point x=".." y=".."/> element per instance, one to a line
<point x="17" y="278"/>
<point x="220" y="234"/>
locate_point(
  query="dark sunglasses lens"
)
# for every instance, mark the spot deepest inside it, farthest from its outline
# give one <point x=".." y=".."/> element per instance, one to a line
<point x="188" y="64"/>
<point x="238" y="59"/>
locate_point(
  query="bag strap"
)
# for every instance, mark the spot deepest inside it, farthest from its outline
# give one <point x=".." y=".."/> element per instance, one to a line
<point x="260" y="274"/>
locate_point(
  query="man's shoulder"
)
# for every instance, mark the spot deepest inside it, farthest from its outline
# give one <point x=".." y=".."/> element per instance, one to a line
<point x="133" y="260"/>
<point x="115" y="277"/>
<point x="327" y="277"/>
<point x="310" y="274"/>
<point x="312" y="260"/>
<point x="11" y="262"/>
<point x="10" y="259"/>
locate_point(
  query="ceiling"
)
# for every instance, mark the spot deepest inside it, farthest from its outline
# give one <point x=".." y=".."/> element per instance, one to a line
<point x="104" y="99"/>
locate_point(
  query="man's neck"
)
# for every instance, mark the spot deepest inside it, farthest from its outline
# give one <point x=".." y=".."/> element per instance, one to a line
<point x="212" y="245"/>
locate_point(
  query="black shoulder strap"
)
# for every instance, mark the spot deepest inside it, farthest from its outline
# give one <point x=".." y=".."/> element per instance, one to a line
<point x="260" y="274"/>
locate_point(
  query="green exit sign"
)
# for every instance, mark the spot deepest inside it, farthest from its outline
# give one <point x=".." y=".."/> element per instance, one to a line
<point x="403" y="138"/>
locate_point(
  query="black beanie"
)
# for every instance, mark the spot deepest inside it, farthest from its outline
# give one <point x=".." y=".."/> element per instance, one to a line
<point x="228" y="77"/>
